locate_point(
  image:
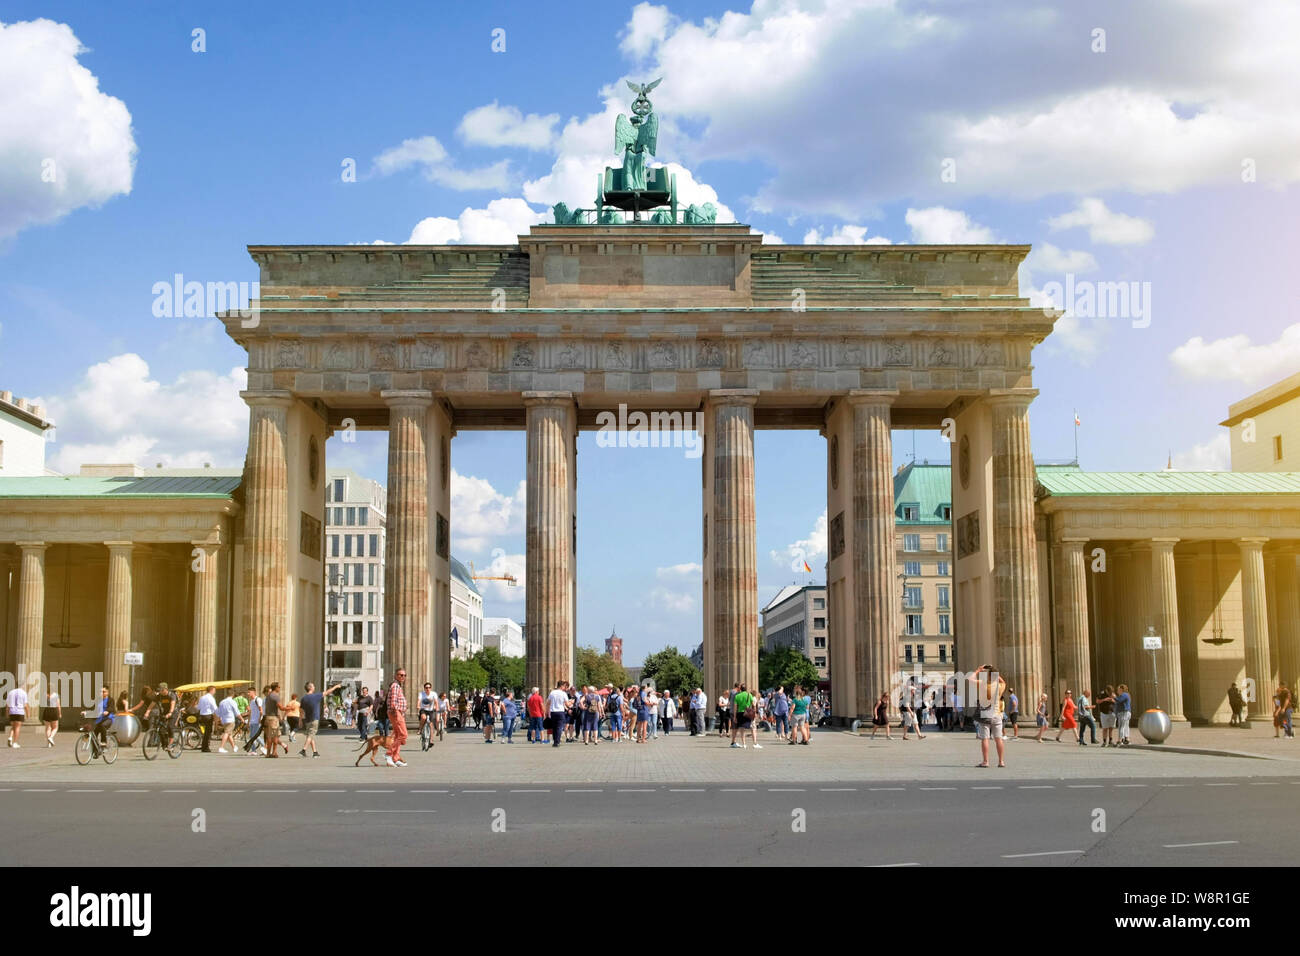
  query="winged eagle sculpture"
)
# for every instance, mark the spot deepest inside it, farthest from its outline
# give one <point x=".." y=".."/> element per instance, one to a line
<point x="637" y="136"/>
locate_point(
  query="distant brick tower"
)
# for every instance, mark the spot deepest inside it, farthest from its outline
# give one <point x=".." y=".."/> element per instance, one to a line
<point x="614" y="647"/>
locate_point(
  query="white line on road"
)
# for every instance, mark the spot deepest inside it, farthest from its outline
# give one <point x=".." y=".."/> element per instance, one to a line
<point x="685" y="790"/>
<point x="1174" y="785"/>
<point x="399" y="811"/>
<point x="938" y="788"/>
<point x="327" y="791"/>
<point x="785" y="790"/>
<point x="130" y="791"/>
<point x="879" y="789"/>
<point x="1220" y="784"/>
<point x="887" y="865"/>
<point x="838" y="789"/>
<point x="225" y="791"/>
<point x="275" y="791"/>
<point x="1266" y="783"/>
<point x="1085" y="786"/>
<point x="85" y="791"/>
<point x="1037" y="786"/>
<point x="1017" y="856"/>
<point x="982" y="788"/>
<point x="735" y="790"/>
<point x="1179" y="846"/>
<point x="1130" y="785"/>
<point x="627" y="791"/>
<point x="180" y="791"/>
<point x="428" y="791"/>
<point x="476" y="791"/>
<point x="530" y="791"/>
<point x="38" y="790"/>
<point x="389" y="791"/>
<point x="589" y="790"/>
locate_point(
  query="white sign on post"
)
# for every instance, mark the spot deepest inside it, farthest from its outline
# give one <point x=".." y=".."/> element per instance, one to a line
<point x="133" y="658"/>
<point x="1152" y="644"/>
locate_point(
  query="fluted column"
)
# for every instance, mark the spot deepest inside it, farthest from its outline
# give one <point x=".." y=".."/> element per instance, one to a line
<point x="117" y="618"/>
<point x="552" y="430"/>
<point x="1288" y="617"/>
<point x="1073" y="652"/>
<point x="1254" y="619"/>
<point x="265" y="632"/>
<point x="205" y="565"/>
<point x="31" y="607"/>
<point x="1185" y="568"/>
<point x="408" y="641"/>
<point x="733" y="545"/>
<point x="875" y="584"/>
<point x="6" y="568"/>
<point x="1164" y="612"/>
<point x="1015" y="566"/>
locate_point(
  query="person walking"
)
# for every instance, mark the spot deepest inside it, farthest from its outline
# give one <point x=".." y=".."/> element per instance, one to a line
<point x="207" y="713"/>
<point x="395" y="707"/>
<point x="51" y="714"/>
<point x="1123" y="713"/>
<point x="800" y="705"/>
<point x="781" y="713"/>
<point x="1281" y="709"/>
<point x="557" y="704"/>
<point x="1086" y="721"/>
<point x="910" y="721"/>
<point x="652" y="710"/>
<point x="1013" y="713"/>
<point x="745" y="710"/>
<point x="667" y="711"/>
<point x="1067" y="715"/>
<point x="365" y="704"/>
<point x="292" y="717"/>
<point x="312" y="704"/>
<point x="1105" y="705"/>
<point x="988" y="714"/>
<point x="880" y="717"/>
<point x="17" y="704"/>
<point x="536" y="710"/>
<point x="1040" y="717"/>
<point x="1234" y="705"/>
<point x="488" y="711"/>
<point x="254" y="721"/>
<point x="228" y="712"/>
<point x="699" y="703"/>
<point x="509" y="714"/>
<point x="271" y="719"/>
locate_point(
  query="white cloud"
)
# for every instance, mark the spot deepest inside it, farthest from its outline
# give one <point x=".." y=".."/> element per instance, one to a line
<point x="1103" y="225"/>
<point x="811" y="549"/>
<point x="942" y="226"/>
<point x="481" y="513"/>
<point x="430" y="156"/>
<point x="679" y="590"/>
<point x="669" y="600"/>
<point x="118" y="413"/>
<point x="845" y="235"/>
<point x="421" y="151"/>
<point x="496" y="125"/>
<point x="1212" y="455"/>
<point x="647" y="28"/>
<point x="54" y="121"/>
<point x="1045" y="257"/>
<point x="501" y="222"/>
<point x="677" y="572"/>
<point x="772" y="239"/>
<point x="1235" y="359"/>
<point x="1079" y="339"/>
<point x="492" y="591"/>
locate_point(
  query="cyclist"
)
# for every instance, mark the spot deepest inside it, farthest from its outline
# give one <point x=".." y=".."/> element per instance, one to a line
<point x="428" y="706"/>
<point x="444" y="707"/>
<point x="103" y="715"/>
<point x="166" y="710"/>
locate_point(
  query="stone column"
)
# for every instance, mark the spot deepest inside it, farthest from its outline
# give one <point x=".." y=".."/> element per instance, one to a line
<point x="1254" y="620"/>
<point x="1185" y="569"/>
<point x="1288" y="617"/>
<point x="6" y="568"/>
<point x="875" y="579"/>
<point x="265" y="638"/>
<point x="117" y="619"/>
<point x="551" y="422"/>
<point x="733" y="541"/>
<point x="205" y="565"/>
<point x="1164" y="612"/>
<point x="408" y="642"/>
<point x="31" y="607"/>
<point x="1015" y="566"/>
<point x="1073" y="652"/>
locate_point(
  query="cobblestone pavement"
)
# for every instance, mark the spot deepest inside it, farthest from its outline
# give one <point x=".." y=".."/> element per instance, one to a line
<point x="463" y="759"/>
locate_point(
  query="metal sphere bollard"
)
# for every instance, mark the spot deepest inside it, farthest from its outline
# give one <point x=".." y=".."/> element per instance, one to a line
<point x="127" y="728"/>
<point x="1155" y="726"/>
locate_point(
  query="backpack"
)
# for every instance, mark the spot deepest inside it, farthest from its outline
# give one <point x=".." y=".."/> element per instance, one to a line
<point x="381" y="707"/>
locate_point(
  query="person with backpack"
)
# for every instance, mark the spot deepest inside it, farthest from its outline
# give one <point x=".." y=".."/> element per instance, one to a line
<point x="745" y="712"/>
<point x="488" y="712"/>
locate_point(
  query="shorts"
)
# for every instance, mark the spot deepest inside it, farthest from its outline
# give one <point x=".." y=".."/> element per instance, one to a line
<point x="488" y="720"/>
<point x="744" y="722"/>
<point x="427" y="714"/>
<point x="272" y="725"/>
<point x="228" y="728"/>
<point x="616" y="721"/>
<point x="986" y="727"/>
<point x="1041" y="721"/>
<point x="909" y="720"/>
<point x="310" y="728"/>
<point x="49" y="714"/>
<point x="799" y="719"/>
<point x="1013" y="717"/>
<point x="1107" y="721"/>
<point x="16" y="719"/>
<point x="589" y="722"/>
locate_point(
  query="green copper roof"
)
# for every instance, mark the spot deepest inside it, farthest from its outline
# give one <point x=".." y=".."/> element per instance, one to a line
<point x="928" y="487"/>
<point x="1067" y="483"/>
<point x="148" y="486"/>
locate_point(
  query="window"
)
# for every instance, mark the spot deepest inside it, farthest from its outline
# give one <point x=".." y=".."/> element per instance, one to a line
<point x="334" y="546"/>
<point x="942" y="570"/>
<point x="331" y="571"/>
<point x="912" y="569"/>
<point x="819" y="661"/>
<point x="911" y="542"/>
<point x="370" y="576"/>
<point x="819" y="642"/>
<point x="374" y="545"/>
<point x="370" y="632"/>
<point x="332" y="630"/>
<point x="819" y="622"/>
<point x="910" y="512"/>
<point x="352" y="516"/>
<point x="338" y="489"/>
<point x="941" y="542"/>
<point x="345" y="659"/>
<point x="907" y="653"/>
<point x="1277" y="447"/>
<point x="911" y="597"/>
<point x="819" y="604"/>
<point x="370" y="602"/>
<point x="362" y="516"/>
<point x="943" y="653"/>
<point x="356" y="632"/>
<point x="356" y="602"/>
<point x="943" y="625"/>
<point x="347" y="546"/>
<point x="942" y="590"/>
<point x="920" y="653"/>
<point x="945" y="512"/>
<point x="915" y="624"/>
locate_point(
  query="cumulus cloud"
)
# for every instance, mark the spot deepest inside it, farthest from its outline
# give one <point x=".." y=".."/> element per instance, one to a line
<point x="428" y="155"/>
<point x="943" y="226"/>
<point x="1103" y="225"/>
<point x="1078" y="339"/>
<point x="648" y="27"/>
<point x="1235" y="358"/>
<point x="502" y="221"/>
<point x="844" y="235"/>
<point x="811" y="549"/>
<point x="1212" y="455"/>
<point x="482" y="513"/>
<point x="119" y="413"/>
<point x="496" y="125"/>
<point x="63" y="143"/>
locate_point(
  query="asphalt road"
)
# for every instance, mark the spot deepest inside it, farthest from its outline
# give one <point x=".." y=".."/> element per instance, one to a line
<point x="1147" y="822"/>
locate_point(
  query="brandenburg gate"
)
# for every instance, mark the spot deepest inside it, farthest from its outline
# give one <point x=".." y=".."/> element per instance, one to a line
<point x="677" y="313"/>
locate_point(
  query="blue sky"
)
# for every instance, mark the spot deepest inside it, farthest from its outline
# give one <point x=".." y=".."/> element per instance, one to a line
<point x="810" y="121"/>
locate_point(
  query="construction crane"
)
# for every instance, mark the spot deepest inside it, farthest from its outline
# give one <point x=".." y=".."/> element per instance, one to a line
<point x="508" y="578"/>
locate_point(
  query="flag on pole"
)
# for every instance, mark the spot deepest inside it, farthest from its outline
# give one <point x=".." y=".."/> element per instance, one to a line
<point x="806" y="569"/>
<point x="1077" y="423"/>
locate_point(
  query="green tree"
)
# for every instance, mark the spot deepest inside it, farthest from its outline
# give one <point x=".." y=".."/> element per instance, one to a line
<point x="467" y="675"/>
<point x="592" y="667"/>
<point x="786" y="666"/>
<point x="671" y="670"/>
<point x="502" y="672"/>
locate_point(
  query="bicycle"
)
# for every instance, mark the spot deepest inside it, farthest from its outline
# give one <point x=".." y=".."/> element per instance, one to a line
<point x="153" y="742"/>
<point x="426" y="733"/>
<point x="89" y="747"/>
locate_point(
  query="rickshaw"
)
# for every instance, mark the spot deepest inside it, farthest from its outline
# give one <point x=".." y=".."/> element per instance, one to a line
<point x="188" y="728"/>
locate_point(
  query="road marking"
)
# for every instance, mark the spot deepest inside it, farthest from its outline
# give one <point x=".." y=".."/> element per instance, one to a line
<point x="627" y="791"/>
<point x="530" y="791"/>
<point x="1266" y="783"/>
<point x="1174" y="785"/>
<point x="130" y="791"/>
<point x="470" y="791"/>
<point x="85" y="791"/>
<point x="685" y="789"/>
<point x="938" y="788"/>
<point x="275" y="791"/>
<point x="399" y="811"/>
<point x="180" y="791"/>
<point x="977" y="788"/>
<point x="785" y="790"/>
<point x="838" y="789"/>
<point x="583" y="791"/>
<point x="1084" y="786"/>
<point x="428" y="791"/>
<point x="1037" y="786"/>
<point x="878" y="789"/>
<point x="6" y="789"/>
<point x="735" y="790"/>
<point x="1130" y="785"/>
<point x="1220" y="784"/>
<point x="1017" y="856"/>
<point x="327" y="791"/>
<point x="225" y="791"/>
<point x="887" y="865"/>
<point x="1179" y="846"/>
<point x="389" y="791"/>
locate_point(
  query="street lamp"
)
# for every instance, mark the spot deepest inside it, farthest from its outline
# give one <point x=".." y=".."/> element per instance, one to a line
<point x="336" y="591"/>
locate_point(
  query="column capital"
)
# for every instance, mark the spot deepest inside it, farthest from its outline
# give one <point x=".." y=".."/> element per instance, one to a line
<point x="407" y="397"/>
<point x="733" y="396"/>
<point x="1073" y="544"/>
<point x="119" y="545"/>
<point x="1013" y="397"/>
<point x="871" y="396"/>
<point x="1252" y="544"/>
<point x="32" y="545"/>
<point x="552" y="399"/>
<point x="208" y="544"/>
<point x="1164" y="544"/>
<point x="275" y="398"/>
